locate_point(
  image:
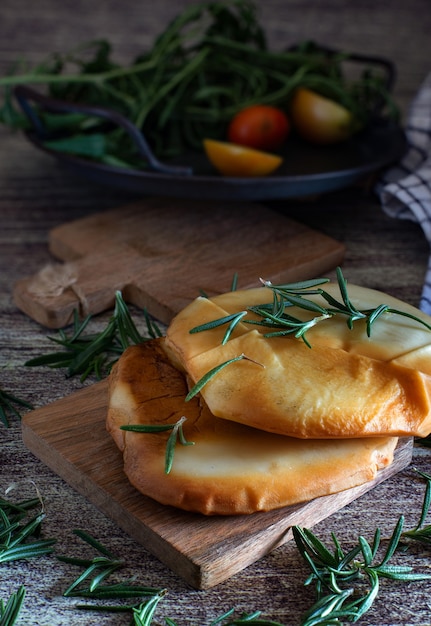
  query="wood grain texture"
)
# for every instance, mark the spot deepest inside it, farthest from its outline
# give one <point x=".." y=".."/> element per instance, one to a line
<point x="162" y="253"/>
<point x="70" y="437"/>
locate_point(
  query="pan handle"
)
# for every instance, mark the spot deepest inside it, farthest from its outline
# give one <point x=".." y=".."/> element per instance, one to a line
<point x="27" y="97"/>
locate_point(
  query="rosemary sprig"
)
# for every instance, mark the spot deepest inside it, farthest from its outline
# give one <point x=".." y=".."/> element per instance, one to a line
<point x="9" y="612"/>
<point x="424" y="441"/>
<point x="96" y="571"/>
<point x="143" y="611"/>
<point x="143" y="614"/>
<point x="244" y="618"/>
<point x="233" y="320"/>
<point x="420" y="532"/>
<point x="7" y="406"/>
<point x="19" y="532"/>
<point x="96" y="353"/>
<point x="177" y="433"/>
<point x="340" y="578"/>
<point x="213" y="372"/>
<point x="97" y="568"/>
<point x="275" y="315"/>
<point x="347" y="583"/>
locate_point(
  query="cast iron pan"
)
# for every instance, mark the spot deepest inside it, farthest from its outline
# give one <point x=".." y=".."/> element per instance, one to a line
<point x="306" y="169"/>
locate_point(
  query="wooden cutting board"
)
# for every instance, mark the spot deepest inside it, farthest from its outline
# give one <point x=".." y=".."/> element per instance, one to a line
<point x="69" y="436"/>
<point x="162" y="253"/>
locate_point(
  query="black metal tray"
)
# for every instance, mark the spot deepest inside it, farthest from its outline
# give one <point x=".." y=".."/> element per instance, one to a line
<point x="306" y="169"/>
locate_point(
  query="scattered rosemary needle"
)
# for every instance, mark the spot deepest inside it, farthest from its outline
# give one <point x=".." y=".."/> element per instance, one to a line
<point x="176" y="433"/>
<point x="143" y="614"/>
<point x="7" y="406"/>
<point x="275" y="318"/>
<point x="347" y="584"/>
<point x="424" y="441"/>
<point x="96" y="353"/>
<point x="97" y="568"/>
<point x="209" y="375"/>
<point x="9" y="612"/>
<point x="18" y="533"/>
<point x="96" y="571"/>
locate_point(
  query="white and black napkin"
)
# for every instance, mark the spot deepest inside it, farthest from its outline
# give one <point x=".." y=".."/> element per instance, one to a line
<point x="405" y="189"/>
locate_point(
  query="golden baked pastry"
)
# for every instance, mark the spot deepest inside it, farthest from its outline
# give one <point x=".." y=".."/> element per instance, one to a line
<point x="346" y="384"/>
<point x="231" y="468"/>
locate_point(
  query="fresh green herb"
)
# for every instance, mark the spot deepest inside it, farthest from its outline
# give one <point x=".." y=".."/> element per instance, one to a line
<point x="95" y="353"/>
<point x="176" y="433"/>
<point x="9" y="612"/>
<point x="274" y="315"/>
<point x="347" y="584"/>
<point x="96" y="571"/>
<point x="422" y="533"/>
<point x="7" y="406"/>
<point x="143" y="614"/>
<point x="245" y="618"/>
<point x="98" y="568"/>
<point x="424" y="441"/>
<point x="234" y="284"/>
<point x="209" y="375"/>
<point x="19" y="531"/>
<point x="211" y="61"/>
<point x="233" y="320"/>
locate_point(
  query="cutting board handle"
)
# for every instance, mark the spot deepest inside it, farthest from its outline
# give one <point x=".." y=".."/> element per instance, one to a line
<point x="162" y="253"/>
<point x="87" y="285"/>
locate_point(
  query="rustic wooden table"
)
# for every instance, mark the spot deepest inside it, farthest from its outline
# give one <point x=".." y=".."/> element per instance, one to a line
<point x="37" y="195"/>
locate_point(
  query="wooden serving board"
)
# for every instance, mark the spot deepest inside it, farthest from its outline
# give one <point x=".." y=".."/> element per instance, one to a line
<point x="162" y="253"/>
<point x="69" y="436"/>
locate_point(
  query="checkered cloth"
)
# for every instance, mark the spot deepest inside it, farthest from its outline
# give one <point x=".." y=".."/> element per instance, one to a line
<point x="405" y="189"/>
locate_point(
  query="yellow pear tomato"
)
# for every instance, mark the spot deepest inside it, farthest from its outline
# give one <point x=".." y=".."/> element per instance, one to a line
<point x="318" y="119"/>
<point x="231" y="159"/>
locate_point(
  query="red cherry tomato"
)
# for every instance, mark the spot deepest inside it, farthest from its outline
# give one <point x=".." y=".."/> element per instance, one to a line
<point x="260" y="126"/>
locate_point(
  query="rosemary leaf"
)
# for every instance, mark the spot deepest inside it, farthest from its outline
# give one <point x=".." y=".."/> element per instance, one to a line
<point x="17" y="532"/>
<point x="216" y="323"/>
<point x="82" y="534"/>
<point x="176" y="433"/>
<point x="143" y="614"/>
<point x="339" y="577"/>
<point x="114" y="591"/>
<point x="279" y="323"/>
<point x="9" y="612"/>
<point x="234" y="284"/>
<point x="95" y="353"/>
<point x="209" y="375"/>
<point x="7" y="406"/>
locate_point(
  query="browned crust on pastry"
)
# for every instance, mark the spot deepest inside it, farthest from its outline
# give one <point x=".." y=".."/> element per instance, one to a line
<point x="232" y="469"/>
<point x="346" y="385"/>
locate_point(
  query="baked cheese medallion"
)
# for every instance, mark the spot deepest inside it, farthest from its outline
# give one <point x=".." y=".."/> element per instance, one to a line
<point x="231" y="468"/>
<point x="343" y="384"/>
<point x="270" y="418"/>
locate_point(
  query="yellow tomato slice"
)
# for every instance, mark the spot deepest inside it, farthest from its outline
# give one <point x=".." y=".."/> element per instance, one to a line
<point x="318" y="119"/>
<point x="230" y="159"/>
